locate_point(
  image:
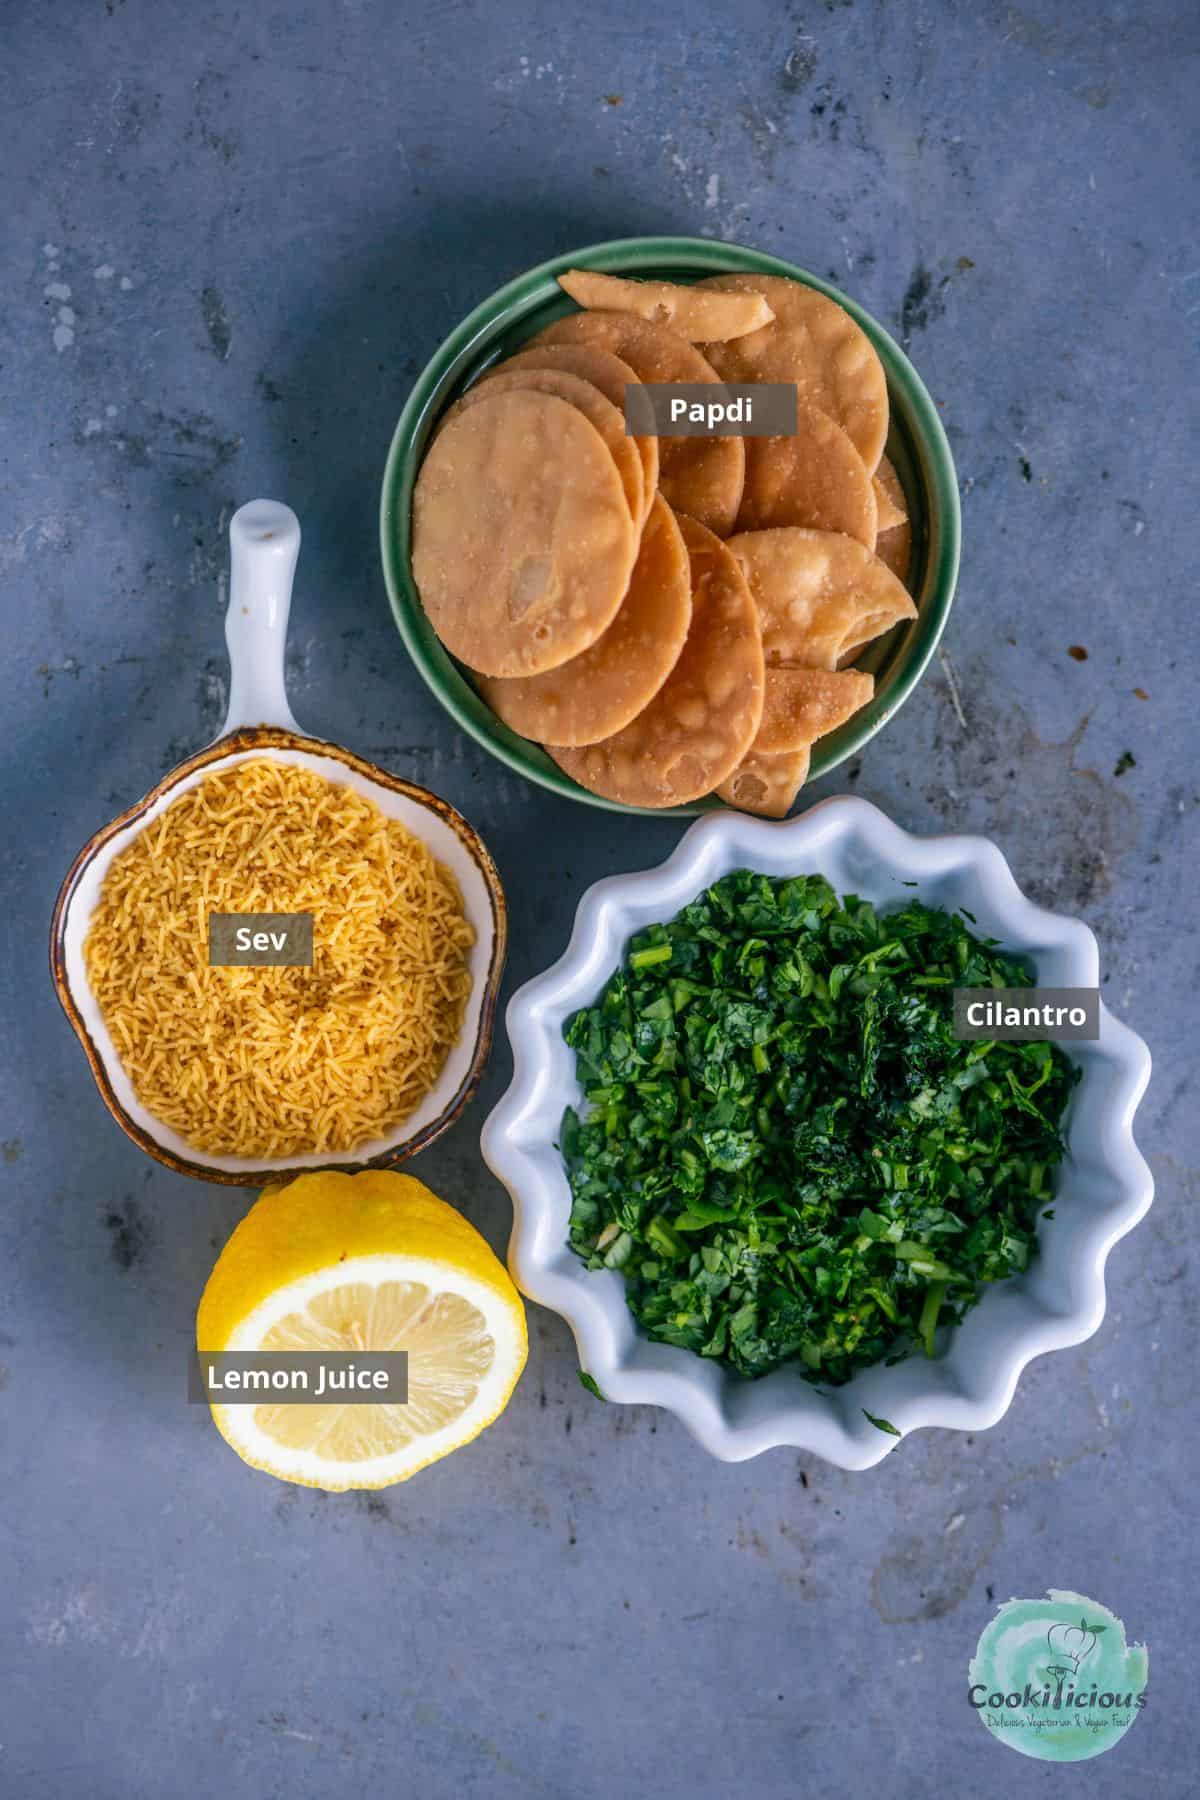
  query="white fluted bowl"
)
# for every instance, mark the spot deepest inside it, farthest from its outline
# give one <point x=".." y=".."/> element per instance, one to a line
<point x="1103" y="1188"/>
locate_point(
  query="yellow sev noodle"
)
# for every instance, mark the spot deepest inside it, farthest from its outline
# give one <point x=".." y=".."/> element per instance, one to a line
<point x="274" y="1062"/>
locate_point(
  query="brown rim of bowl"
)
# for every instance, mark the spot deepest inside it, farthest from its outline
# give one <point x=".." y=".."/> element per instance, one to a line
<point x="271" y="737"/>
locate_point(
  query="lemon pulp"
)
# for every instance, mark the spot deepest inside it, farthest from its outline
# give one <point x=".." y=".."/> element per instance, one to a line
<point x="449" y="1348"/>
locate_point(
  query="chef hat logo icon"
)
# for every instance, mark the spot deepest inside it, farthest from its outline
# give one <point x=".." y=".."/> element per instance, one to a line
<point x="1070" y="1644"/>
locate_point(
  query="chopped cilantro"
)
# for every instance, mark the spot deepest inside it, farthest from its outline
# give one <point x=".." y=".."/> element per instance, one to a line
<point x="785" y="1150"/>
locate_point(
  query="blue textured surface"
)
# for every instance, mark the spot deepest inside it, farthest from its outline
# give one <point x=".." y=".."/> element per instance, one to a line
<point x="231" y="237"/>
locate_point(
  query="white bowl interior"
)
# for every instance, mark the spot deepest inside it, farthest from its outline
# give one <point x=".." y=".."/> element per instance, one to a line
<point x="1103" y="1185"/>
<point x="423" y="821"/>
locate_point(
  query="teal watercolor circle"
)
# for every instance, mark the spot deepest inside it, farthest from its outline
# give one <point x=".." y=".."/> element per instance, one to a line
<point x="1055" y="1679"/>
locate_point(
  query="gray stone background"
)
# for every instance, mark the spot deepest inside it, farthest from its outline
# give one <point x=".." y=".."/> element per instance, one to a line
<point x="231" y="237"/>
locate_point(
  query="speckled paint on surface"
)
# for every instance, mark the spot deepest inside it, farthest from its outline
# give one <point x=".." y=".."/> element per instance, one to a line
<point x="231" y="238"/>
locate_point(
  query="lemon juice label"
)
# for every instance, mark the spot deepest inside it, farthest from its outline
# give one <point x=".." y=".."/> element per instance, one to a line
<point x="299" y="1378"/>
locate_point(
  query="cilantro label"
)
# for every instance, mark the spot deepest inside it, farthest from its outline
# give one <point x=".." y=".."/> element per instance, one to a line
<point x="1055" y="1678"/>
<point x="1026" y="1015"/>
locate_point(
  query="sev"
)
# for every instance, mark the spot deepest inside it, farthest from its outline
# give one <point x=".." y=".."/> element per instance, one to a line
<point x="272" y="1062"/>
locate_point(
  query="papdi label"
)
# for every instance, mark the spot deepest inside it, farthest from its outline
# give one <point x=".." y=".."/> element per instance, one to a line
<point x="1026" y="1015"/>
<point x="270" y="940"/>
<point x="710" y="409"/>
<point x="1056" y="1679"/>
<point x="299" y="1377"/>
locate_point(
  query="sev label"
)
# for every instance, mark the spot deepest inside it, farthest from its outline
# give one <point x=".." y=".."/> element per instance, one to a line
<point x="268" y="940"/>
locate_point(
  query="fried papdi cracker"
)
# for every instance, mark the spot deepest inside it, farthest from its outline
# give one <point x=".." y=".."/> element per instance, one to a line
<point x="705" y="716"/>
<point x="690" y="311"/>
<point x="598" y="411"/>
<point x="801" y="705"/>
<point x="820" y="595"/>
<point x="700" y="476"/>
<point x="814" y="478"/>
<point x="597" y="694"/>
<point x="522" y="540"/>
<point x="893" y="546"/>
<point x="767" y="785"/>
<point x="815" y="343"/>
<point x="889" y="497"/>
<point x="887" y="514"/>
<point x="612" y="376"/>
<point x="894" y="550"/>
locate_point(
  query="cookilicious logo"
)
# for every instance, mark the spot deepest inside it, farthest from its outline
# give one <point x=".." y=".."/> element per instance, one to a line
<point x="1055" y="1678"/>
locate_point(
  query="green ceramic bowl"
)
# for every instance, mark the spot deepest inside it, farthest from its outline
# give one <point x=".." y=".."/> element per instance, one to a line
<point x="916" y="444"/>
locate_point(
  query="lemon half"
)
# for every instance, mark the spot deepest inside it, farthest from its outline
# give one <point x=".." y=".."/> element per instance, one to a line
<point x="373" y="1261"/>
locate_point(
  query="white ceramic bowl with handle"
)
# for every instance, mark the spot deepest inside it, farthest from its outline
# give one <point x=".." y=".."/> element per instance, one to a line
<point x="264" y="543"/>
<point x="1103" y="1185"/>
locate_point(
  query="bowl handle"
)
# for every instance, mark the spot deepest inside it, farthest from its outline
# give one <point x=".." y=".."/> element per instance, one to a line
<point x="264" y="542"/>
